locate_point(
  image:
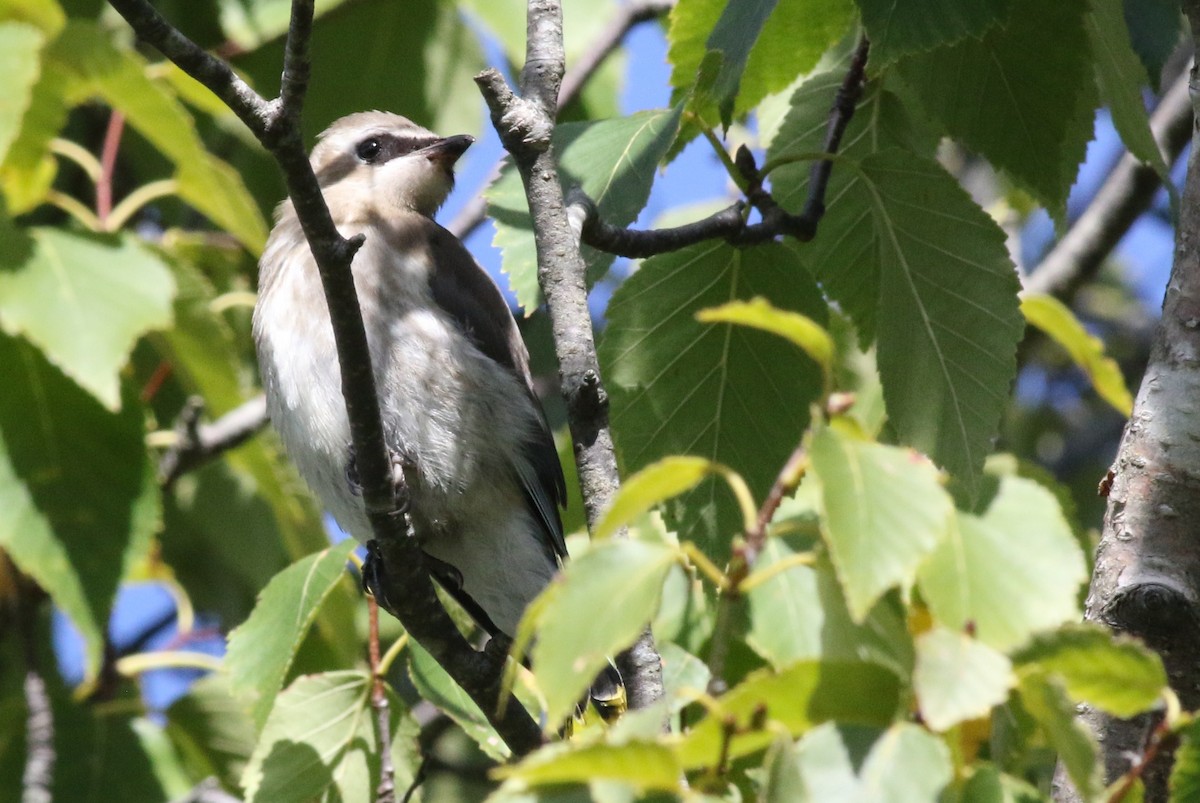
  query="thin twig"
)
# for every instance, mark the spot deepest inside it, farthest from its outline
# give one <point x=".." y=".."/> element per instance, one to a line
<point x="198" y="444"/>
<point x="1157" y="739"/>
<point x="731" y="223"/>
<point x="108" y="163"/>
<point x="408" y="589"/>
<point x="745" y="553"/>
<point x="386" y="791"/>
<point x="1125" y="195"/>
<point x="628" y="17"/>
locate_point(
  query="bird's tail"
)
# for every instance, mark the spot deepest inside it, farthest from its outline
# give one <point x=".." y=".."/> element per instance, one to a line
<point x="608" y="694"/>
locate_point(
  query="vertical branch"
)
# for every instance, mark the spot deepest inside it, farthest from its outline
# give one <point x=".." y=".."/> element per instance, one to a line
<point x="525" y="125"/>
<point x="37" y="781"/>
<point x="386" y="791"/>
<point x="108" y="163"/>
<point x="1144" y="581"/>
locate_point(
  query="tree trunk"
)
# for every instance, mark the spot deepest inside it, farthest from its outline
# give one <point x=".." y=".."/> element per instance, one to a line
<point x="1147" y="577"/>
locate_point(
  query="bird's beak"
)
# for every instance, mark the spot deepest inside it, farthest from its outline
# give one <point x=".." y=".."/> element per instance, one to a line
<point x="447" y="151"/>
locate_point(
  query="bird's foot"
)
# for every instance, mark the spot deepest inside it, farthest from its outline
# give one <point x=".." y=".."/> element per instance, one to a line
<point x="399" y="483"/>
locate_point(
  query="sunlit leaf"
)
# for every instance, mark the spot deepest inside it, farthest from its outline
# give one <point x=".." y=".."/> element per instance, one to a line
<point x="1087" y="351"/>
<point x="644" y="765"/>
<point x="800" y="613"/>
<point x="626" y="578"/>
<point x="903" y="764"/>
<point x="320" y="740"/>
<point x="434" y="685"/>
<point x="1055" y="714"/>
<point x="19" y="47"/>
<point x="883" y="511"/>
<point x="1007" y="578"/>
<point x="262" y="648"/>
<point x="758" y="313"/>
<point x="1117" y="675"/>
<point x="84" y="300"/>
<point x="957" y="678"/>
<point x="651" y="486"/>
<point x="798" y="698"/>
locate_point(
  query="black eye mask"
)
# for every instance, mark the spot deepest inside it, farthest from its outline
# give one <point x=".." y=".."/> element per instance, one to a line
<point x="380" y="148"/>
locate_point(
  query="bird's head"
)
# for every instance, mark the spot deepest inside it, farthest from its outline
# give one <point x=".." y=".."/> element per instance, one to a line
<point x="379" y="162"/>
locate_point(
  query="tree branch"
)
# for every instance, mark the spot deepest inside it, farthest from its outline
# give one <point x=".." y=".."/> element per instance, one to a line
<point x="198" y="444"/>
<point x="409" y="590"/>
<point x="525" y="124"/>
<point x="628" y="17"/>
<point x="37" y="781"/>
<point x="1126" y="194"/>
<point x="731" y="223"/>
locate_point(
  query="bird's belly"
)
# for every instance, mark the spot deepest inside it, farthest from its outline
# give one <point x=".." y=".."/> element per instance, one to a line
<point x="451" y="418"/>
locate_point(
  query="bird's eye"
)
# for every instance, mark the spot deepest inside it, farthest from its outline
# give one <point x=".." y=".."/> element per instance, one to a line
<point x="368" y="149"/>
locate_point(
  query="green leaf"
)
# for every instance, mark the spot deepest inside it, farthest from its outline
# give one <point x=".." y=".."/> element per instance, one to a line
<point x="726" y="393"/>
<point x="733" y="37"/>
<point x="758" y="313"/>
<point x="434" y="685"/>
<point x="45" y="14"/>
<point x="904" y="764"/>
<point x="644" y="765"/>
<point x="28" y="169"/>
<point x="846" y="262"/>
<point x="900" y="28"/>
<point x="949" y="322"/>
<point x="250" y="23"/>
<point x="682" y="673"/>
<point x="791" y="42"/>
<point x="1185" y="774"/>
<point x="628" y="577"/>
<point x="20" y="45"/>
<point x="957" y="678"/>
<point x="1115" y="674"/>
<point x="989" y="785"/>
<point x="613" y="161"/>
<point x="1034" y="76"/>
<point x="262" y="648"/>
<point x="800" y="613"/>
<point x="651" y="486"/>
<point x="84" y="300"/>
<point x="211" y="730"/>
<point x="782" y="782"/>
<point x="80" y="501"/>
<point x="1055" y="714"/>
<point x="1086" y="350"/>
<point x="420" y="58"/>
<point x="798" y="698"/>
<point x="883" y="511"/>
<point x="1013" y="571"/>
<point x="120" y="77"/>
<point x="1155" y="29"/>
<point x="1121" y="76"/>
<point x="320" y="742"/>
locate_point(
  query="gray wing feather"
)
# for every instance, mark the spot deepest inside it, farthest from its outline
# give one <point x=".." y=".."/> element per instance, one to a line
<point x="465" y="291"/>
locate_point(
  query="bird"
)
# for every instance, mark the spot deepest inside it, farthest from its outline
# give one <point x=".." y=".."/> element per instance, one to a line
<point x="461" y="419"/>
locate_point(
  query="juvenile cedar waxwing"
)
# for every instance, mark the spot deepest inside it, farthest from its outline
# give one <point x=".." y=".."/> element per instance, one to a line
<point x="459" y="415"/>
<point x="460" y="418"/>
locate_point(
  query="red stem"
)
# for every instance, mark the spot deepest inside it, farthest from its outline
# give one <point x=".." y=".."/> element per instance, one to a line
<point x="108" y="161"/>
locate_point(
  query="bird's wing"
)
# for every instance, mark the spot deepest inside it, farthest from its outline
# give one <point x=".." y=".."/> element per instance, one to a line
<point x="465" y="291"/>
